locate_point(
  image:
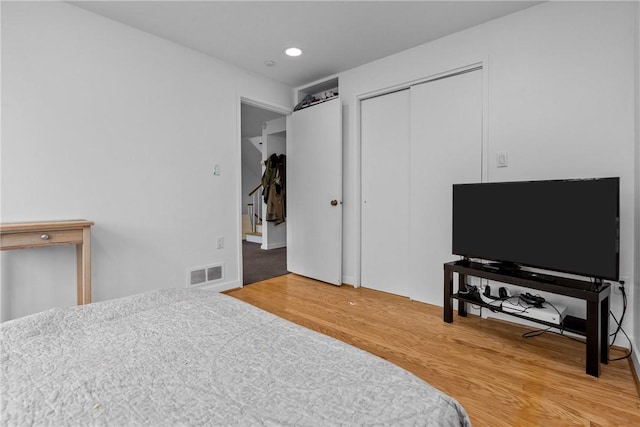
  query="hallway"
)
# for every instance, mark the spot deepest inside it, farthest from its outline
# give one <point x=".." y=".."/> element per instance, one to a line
<point x="258" y="264"/>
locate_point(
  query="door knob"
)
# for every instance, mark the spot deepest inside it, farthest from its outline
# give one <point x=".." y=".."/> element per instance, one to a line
<point x="334" y="203"/>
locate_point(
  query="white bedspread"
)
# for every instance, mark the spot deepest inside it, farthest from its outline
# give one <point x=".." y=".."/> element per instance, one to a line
<point x="192" y="357"/>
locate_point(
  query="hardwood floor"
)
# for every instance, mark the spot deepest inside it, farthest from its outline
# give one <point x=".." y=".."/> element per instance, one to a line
<point x="500" y="378"/>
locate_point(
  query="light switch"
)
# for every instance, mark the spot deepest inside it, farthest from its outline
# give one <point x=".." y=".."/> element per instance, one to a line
<point x="216" y="170"/>
<point x="501" y="159"/>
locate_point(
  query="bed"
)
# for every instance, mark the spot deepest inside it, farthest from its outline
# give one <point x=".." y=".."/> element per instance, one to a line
<point x="195" y="357"/>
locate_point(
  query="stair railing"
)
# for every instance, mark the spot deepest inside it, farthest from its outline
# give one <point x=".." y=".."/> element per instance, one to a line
<point x="255" y="209"/>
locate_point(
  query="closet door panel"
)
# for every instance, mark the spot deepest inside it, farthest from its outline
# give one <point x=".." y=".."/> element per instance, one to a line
<point x="446" y="148"/>
<point x="385" y="132"/>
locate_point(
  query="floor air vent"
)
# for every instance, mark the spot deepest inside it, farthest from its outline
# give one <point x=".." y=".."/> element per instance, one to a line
<point x="199" y="276"/>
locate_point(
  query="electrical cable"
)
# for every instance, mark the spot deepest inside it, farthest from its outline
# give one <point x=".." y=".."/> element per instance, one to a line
<point x="626" y="356"/>
<point x="531" y="334"/>
<point x="537" y="332"/>
<point x="624" y="310"/>
<point x="525" y="309"/>
<point x="619" y="328"/>
<point x="560" y="326"/>
<point x="495" y="305"/>
<point x="500" y="301"/>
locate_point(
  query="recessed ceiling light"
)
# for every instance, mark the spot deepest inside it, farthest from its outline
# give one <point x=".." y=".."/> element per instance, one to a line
<point x="293" y="51"/>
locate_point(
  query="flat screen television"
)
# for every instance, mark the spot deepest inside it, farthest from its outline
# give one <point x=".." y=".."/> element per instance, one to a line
<point x="569" y="226"/>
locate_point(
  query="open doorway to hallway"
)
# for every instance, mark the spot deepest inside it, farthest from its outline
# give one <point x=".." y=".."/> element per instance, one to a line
<point x="259" y="264"/>
<point x="263" y="135"/>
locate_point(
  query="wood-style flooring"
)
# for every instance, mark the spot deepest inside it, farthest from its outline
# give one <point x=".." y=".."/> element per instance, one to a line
<point x="500" y="378"/>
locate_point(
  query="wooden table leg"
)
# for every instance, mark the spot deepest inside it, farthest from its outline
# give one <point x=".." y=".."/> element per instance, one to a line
<point x="83" y="262"/>
<point x="462" y="285"/>
<point x="594" y="336"/>
<point x="448" y="291"/>
<point x="604" y="330"/>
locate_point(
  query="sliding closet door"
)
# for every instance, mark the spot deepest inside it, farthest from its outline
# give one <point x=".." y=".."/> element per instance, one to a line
<point x="446" y="148"/>
<point x="385" y="192"/>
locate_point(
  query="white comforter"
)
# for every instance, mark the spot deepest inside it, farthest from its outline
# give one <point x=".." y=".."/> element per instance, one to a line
<point x="191" y="357"/>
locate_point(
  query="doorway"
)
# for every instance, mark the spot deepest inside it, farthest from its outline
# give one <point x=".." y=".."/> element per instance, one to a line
<point x="264" y="252"/>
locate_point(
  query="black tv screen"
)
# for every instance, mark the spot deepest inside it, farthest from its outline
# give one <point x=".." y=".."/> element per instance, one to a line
<point x="570" y="226"/>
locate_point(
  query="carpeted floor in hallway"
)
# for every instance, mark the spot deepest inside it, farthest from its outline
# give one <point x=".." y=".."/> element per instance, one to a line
<point x="258" y="264"/>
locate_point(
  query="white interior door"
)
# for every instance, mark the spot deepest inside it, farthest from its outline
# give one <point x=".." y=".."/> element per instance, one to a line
<point x="446" y="149"/>
<point x="385" y="140"/>
<point x="314" y="192"/>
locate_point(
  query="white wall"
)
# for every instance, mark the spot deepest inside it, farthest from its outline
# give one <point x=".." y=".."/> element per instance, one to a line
<point x="559" y="100"/>
<point x="104" y="122"/>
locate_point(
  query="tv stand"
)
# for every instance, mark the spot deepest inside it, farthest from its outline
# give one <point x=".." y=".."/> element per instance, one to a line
<point x="596" y="296"/>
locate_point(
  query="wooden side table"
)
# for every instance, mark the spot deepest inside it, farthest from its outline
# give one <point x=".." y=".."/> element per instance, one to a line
<point x="22" y="235"/>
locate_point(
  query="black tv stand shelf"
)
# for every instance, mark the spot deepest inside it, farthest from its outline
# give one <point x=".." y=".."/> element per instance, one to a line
<point x="570" y="323"/>
<point x="596" y="296"/>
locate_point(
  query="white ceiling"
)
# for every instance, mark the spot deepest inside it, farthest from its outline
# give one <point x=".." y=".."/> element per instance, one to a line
<point x="334" y="35"/>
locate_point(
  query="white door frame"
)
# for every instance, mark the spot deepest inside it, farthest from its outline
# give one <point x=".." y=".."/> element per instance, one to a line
<point x="285" y="111"/>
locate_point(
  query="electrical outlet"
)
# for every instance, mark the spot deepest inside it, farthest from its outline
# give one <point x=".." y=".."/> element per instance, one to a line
<point x="220" y="242"/>
<point x="617" y="287"/>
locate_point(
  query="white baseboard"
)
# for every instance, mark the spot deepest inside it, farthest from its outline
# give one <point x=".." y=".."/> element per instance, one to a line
<point x="253" y="238"/>
<point x="350" y="280"/>
<point x="220" y="287"/>
<point x="635" y="358"/>
<point x="276" y="245"/>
